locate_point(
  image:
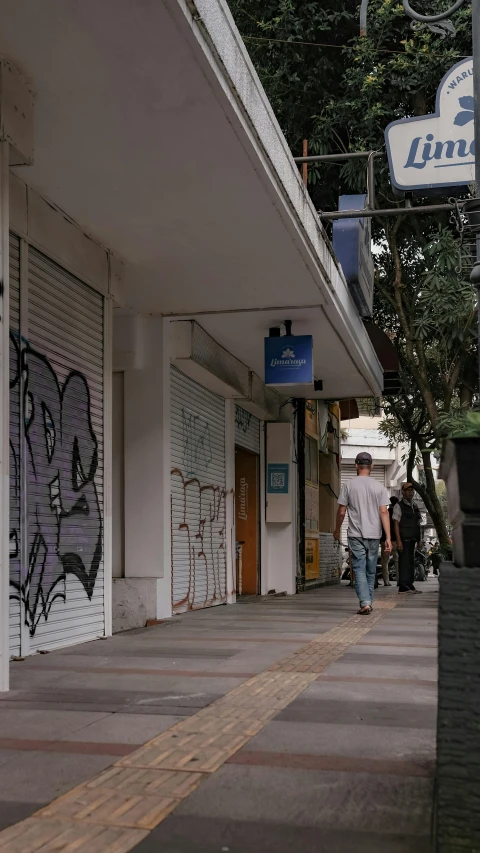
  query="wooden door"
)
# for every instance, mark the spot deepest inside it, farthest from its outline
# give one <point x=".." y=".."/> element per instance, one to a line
<point x="246" y="520"/>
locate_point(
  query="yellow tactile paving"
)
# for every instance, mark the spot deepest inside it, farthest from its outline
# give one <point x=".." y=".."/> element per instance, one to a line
<point x="113" y="812"/>
<point x="57" y="836"/>
<point x="202" y="753"/>
<point x="140" y="782"/>
<point x="222" y="725"/>
<point x="110" y="808"/>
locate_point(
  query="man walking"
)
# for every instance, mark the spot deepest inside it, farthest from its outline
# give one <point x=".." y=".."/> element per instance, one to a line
<point x="385" y="554"/>
<point x="367" y="503"/>
<point x="407" y="520"/>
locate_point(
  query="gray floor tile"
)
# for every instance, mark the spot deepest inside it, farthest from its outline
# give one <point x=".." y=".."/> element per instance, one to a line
<point x="351" y="668"/>
<point x="341" y="801"/>
<point x="11" y="813"/>
<point x="382" y="651"/>
<point x="44" y="725"/>
<point x="353" y="741"/>
<point x="120" y="728"/>
<point x="40" y="776"/>
<point x="344" y="712"/>
<point x="364" y="691"/>
<point x="207" y="835"/>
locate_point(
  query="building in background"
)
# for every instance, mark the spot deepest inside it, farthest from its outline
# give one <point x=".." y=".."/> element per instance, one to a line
<point x="389" y="467"/>
<point x="318" y="454"/>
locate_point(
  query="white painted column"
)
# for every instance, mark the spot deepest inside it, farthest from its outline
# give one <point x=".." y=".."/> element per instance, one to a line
<point x="281" y="526"/>
<point x="230" y="499"/>
<point x="264" y="579"/>
<point x="145" y="592"/>
<point x="107" y="461"/>
<point x="4" y="418"/>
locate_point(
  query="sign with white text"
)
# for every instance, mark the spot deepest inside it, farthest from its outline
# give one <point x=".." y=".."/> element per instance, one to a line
<point x="429" y="153"/>
<point x="289" y="360"/>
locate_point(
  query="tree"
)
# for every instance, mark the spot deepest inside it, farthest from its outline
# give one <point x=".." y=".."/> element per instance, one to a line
<point x="341" y="98"/>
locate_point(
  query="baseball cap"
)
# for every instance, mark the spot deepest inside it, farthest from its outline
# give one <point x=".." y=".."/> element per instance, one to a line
<point x="363" y="459"/>
<point x="408" y="486"/>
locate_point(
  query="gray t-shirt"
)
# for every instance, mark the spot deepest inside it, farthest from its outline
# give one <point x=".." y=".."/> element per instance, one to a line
<point x="363" y="497"/>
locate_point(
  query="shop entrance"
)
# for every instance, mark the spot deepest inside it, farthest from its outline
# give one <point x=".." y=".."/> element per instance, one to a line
<point x="246" y="521"/>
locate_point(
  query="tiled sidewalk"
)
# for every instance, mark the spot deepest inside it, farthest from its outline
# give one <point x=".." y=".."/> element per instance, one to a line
<point x="323" y="740"/>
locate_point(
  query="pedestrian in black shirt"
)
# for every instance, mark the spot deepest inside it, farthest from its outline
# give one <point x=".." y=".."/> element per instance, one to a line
<point x="407" y="521"/>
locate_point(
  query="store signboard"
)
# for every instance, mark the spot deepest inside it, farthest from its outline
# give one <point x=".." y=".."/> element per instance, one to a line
<point x="289" y="360"/>
<point x="427" y="154"/>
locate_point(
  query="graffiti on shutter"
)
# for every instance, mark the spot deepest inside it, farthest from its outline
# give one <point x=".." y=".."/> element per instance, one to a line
<point x="60" y="377"/>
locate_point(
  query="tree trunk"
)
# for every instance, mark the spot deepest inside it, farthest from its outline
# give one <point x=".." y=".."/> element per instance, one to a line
<point x="428" y="493"/>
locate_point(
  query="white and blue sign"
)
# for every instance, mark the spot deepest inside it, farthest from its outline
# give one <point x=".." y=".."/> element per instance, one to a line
<point x="426" y="154"/>
<point x="289" y="360"/>
<point x="352" y="244"/>
<point x="277" y="478"/>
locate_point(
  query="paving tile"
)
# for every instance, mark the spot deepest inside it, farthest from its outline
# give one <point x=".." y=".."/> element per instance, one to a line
<point x="140" y="782"/>
<point x="35" y="776"/>
<point x="119" y="728"/>
<point x="12" y="813"/>
<point x="199" y="752"/>
<point x="44" y="725"/>
<point x="336" y="764"/>
<point x="359" y="691"/>
<point x="187" y="834"/>
<point x="52" y="836"/>
<point x="369" y="647"/>
<point x="353" y="741"/>
<point x="351" y="668"/>
<point x="341" y="801"/>
<point x="345" y="712"/>
<point x="109" y="808"/>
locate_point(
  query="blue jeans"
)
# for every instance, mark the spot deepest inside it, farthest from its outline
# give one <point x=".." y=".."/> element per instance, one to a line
<point x="364" y="561"/>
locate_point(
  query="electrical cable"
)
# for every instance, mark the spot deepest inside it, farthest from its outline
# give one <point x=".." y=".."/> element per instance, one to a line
<point x="344" y="46"/>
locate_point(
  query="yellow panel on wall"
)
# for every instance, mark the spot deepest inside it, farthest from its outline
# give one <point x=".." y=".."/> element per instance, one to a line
<point x="312" y="565"/>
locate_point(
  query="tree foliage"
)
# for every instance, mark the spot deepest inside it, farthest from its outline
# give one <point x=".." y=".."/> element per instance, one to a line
<point x="341" y="97"/>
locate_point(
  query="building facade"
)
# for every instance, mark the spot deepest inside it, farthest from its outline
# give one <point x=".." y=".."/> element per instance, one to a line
<point x="153" y="229"/>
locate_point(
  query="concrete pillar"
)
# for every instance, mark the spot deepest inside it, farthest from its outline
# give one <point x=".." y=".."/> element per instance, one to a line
<point x="144" y="593"/>
<point x="281" y="513"/>
<point x="458" y="731"/>
<point x="4" y="419"/>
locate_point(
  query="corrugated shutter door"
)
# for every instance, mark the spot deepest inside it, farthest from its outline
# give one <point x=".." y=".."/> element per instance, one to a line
<point x="347" y="473"/>
<point x="247" y="430"/>
<point x="14" y="284"/>
<point x="64" y="433"/>
<point x="197" y="495"/>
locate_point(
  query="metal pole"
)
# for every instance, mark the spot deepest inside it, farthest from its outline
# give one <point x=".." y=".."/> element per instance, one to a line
<point x="387" y="211"/>
<point x="326" y="158"/>
<point x="475" y="274"/>
<point x="371" y="199"/>
<point x="363" y="18"/>
<point x="305" y="164"/>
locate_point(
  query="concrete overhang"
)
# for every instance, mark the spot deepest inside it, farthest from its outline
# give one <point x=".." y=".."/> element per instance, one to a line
<point x="153" y="132"/>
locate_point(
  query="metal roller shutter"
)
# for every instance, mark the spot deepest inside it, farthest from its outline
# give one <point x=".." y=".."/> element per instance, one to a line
<point x="64" y="593"/>
<point x="15" y="542"/>
<point x="347" y="473"/>
<point x="198" y="495"/>
<point x="247" y="430"/>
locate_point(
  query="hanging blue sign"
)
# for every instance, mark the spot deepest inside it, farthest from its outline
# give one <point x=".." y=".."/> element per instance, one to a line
<point x="352" y="244"/>
<point x="289" y="360"/>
